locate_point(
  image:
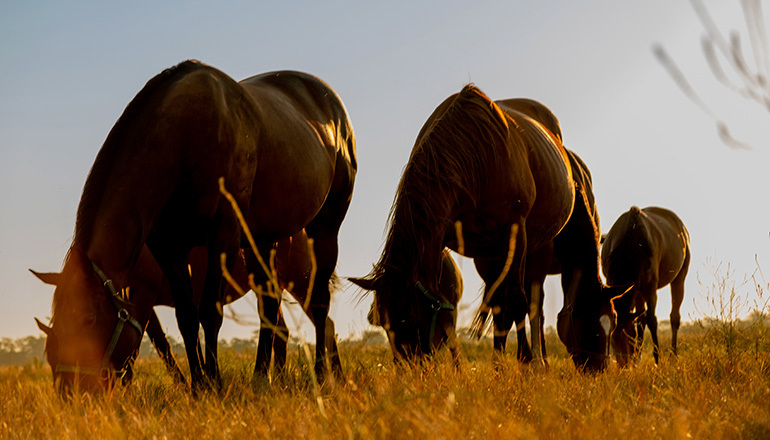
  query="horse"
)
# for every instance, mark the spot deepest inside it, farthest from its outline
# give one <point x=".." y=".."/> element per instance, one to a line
<point x="649" y="248"/>
<point x="498" y="181"/>
<point x="293" y="269"/>
<point x="280" y="141"/>
<point x="443" y="326"/>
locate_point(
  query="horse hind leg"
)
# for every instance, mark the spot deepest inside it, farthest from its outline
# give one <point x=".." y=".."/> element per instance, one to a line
<point x="677" y="297"/>
<point x="270" y="319"/>
<point x="211" y="314"/>
<point x="327" y="357"/>
<point x="324" y="230"/>
<point x="184" y="308"/>
<point x="509" y="306"/>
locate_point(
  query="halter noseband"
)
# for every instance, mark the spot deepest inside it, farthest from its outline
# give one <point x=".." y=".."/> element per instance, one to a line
<point x="105" y="372"/>
<point x="436" y="305"/>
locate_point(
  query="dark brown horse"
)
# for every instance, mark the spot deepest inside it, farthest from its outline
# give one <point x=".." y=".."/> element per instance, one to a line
<point x="498" y="172"/>
<point x="284" y="146"/>
<point x="649" y="248"/>
<point x="443" y="320"/>
<point x="572" y="253"/>
<point x="150" y="288"/>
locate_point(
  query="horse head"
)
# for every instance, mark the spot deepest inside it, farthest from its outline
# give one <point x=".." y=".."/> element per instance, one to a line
<point x="586" y="328"/>
<point x="427" y="322"/>
<point x="94" y="335"/>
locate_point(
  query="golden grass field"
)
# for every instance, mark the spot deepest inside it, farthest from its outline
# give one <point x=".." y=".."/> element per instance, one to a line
<point x="718" y="387"/>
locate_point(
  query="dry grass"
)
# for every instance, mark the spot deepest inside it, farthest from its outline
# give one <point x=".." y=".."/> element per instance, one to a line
<point x="704" y="393"/>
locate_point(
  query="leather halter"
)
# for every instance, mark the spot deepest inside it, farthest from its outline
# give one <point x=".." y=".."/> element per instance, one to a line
<point x="106" y="372"/>
<point x="436" y="306"/>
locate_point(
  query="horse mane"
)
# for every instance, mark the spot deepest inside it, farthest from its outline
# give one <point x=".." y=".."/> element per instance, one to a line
<point x="464" y="137"/>
<point x="103" y="167"/>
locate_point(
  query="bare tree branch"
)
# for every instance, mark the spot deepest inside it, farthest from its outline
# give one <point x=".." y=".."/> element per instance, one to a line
<point x="749" y="82"/>
<point x="679" y="78"/>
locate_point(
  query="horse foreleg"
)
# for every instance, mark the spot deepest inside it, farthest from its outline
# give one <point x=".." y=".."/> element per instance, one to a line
<point x="323" y="230"/>
<point x="331" y="348"/>
<point x="187" y="319"/>
<point x="158" y="338"/>
<point x="536" y="322"/>
<point x="677" y="297"/>
<point x="652" y="321"/>
<point x="280" y="343"/>
<point x="269" y="314"/>
<point x="320" y="314"/>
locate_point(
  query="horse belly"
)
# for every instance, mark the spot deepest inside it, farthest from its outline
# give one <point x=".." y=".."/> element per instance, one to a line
<point x="289" y="189"/>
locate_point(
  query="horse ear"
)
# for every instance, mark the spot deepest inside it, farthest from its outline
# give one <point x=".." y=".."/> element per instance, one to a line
<point x="44" y="328"/>
<point x="370" y="284"/>
<point x="51" y="278"/>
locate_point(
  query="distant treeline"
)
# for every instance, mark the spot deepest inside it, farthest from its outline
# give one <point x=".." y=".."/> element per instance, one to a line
<point x="756" y="327"/>
<point x="31" y="349"/>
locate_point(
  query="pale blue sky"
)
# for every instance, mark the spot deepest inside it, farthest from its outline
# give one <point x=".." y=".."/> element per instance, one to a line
<point x="68" y="69"/>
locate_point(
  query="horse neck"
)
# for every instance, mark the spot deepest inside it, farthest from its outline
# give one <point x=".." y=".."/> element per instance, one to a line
<point x="414" y="250"/>
<point x="118" y="206"/>
<point x="577" y="249"/>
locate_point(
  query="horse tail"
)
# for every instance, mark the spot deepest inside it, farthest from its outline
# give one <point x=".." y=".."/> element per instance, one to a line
<point x="335" y="283"/>
<point x="480" y="323"/>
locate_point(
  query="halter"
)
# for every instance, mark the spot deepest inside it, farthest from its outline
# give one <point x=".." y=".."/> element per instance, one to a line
<point x="105" y="372"/>
<point x="436" y="305"/>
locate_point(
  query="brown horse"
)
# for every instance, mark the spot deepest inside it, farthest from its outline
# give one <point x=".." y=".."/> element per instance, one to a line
<point x="572" y="253"/>
<point x="498" y="172"/>
<point x="150" y="288"/>
<point x="443" y="326"/>
<point x="649" y="248"/>
<point x="283" y="145"/>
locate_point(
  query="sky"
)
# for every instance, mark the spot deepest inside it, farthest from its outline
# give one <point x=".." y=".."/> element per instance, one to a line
<point x="68" y="69"/>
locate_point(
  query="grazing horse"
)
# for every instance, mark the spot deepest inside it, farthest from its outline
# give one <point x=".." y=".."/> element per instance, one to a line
<point x="649" y="248"/>
<point x="576" y="244"/>
<point x="150" y="288"/>
<point x="573" y="252"/>
<point x="485" y="176"/>
<point x="443" y="327"/>
<point x="281" y="142"/>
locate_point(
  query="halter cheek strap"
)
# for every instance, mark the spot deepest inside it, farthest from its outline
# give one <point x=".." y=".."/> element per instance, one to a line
<point x="436" y="305"/>
<point x="124" y="317"/>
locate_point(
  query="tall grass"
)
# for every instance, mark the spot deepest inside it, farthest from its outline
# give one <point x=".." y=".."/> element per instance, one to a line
<point x="703" y="393"/>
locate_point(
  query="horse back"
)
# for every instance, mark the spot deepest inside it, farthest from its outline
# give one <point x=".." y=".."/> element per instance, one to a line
<point x="306" y="150"/>
<point x="672" y="241"/>
<point x="645" y="246"/>
<point x="550" y="168"/>
<point x="534" y="110"/>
